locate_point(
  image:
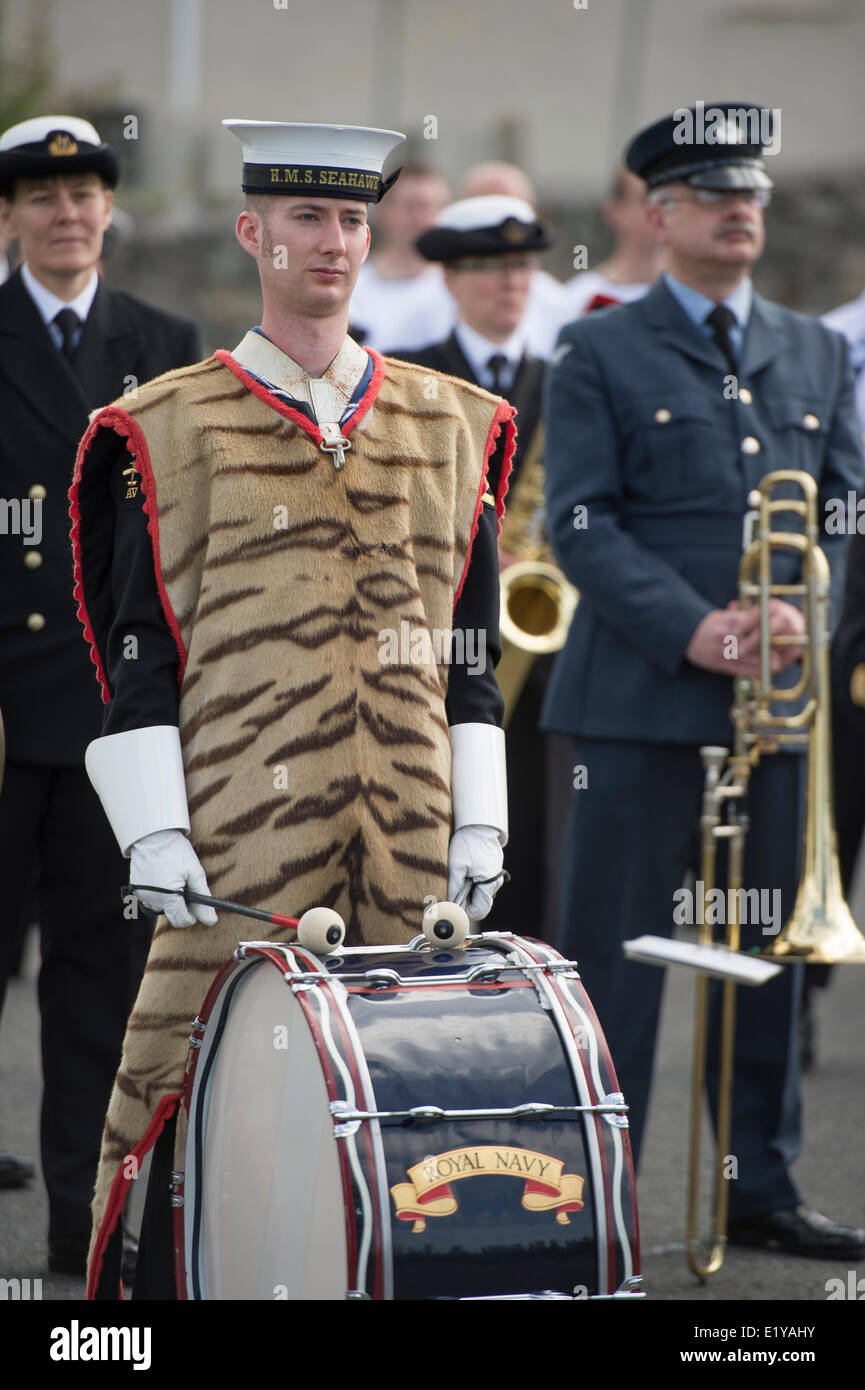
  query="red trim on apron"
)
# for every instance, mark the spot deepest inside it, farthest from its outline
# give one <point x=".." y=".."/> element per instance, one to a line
<point x="119" y="1188"/>
<point x="123" y="425"/>
<point x="504" y="416"/>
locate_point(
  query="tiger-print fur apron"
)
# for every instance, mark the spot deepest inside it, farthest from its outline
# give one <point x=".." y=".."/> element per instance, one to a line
<point x="317" y="771"/>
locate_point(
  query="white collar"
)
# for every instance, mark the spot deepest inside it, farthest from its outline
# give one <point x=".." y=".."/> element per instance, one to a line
<point x="478" y="350"/>
<point x="47" y="302"/>
<point x="333" y="391"/>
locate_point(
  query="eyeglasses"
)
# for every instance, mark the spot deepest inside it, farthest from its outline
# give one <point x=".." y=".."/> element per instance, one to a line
<point x="723" y="197"/>
<point x="494" y="265"/>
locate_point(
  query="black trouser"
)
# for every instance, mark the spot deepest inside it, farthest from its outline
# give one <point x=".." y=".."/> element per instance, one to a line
<point x="536" y="775"/>
<point x="633" y="831"/>
<point x="51" y="822"/>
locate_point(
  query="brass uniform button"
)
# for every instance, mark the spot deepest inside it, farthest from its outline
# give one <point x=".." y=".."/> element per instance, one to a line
<point x="857" y="685"/>
<point x="750" y="445"/>
<point x="32" y="559"/>
<point x="36" y="493"/>
<point x="35" y="622"/>
<point x="811" y="422"/>
<point x="663" y="416"/>
<point x="745" y="395"/>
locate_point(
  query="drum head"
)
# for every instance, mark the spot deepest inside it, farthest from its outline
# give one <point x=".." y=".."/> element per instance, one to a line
<point x="267" y="1216"/>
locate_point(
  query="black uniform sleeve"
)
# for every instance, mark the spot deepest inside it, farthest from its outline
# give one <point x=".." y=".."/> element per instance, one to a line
<point x="473" y="695"/>
<point x="141" y="654"/>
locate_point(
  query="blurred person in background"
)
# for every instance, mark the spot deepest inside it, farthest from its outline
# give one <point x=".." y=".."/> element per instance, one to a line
<point x="634" y="263"/>
<point x="543" y="316"/>
<point x="400" y="299"/>
<point x="68" y="343"/>
<point x="488" y="247"/>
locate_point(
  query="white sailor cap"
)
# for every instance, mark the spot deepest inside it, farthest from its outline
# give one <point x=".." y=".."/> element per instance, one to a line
<point x="324" y="161"/>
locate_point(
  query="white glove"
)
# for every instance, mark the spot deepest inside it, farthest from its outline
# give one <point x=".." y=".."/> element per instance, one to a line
<point x="166" y="858"/>
<point x="475" y="853"/>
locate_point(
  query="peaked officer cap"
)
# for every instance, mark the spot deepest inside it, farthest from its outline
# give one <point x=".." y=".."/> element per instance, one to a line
<point x="710" y="145"/>
<point x="489" y="226"/>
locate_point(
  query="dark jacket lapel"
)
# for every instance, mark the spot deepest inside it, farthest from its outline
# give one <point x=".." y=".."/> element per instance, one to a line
<point x="454" y="360"/>
<point x="669" y="319"/>
<point x="526" y="394"/>
<point x="764" y="336"/>
<point x="29" y="359"/>
<point x="109" y="350"/>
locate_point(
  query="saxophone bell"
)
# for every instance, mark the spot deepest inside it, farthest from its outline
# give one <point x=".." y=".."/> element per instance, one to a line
<point x="537" y="601"/>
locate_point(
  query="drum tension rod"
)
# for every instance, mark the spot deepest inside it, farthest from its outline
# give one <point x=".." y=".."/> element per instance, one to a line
<point x="347" y="1114"/>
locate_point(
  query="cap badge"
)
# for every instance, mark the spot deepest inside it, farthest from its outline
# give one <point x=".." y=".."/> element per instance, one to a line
<point x="63" y="143"/>
<point x="515" y="232"/>
<point x="731" y="132"/>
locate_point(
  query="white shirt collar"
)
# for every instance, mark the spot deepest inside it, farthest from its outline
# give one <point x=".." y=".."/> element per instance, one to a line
<point x="47" y="302"/>
<point x="478" y="350"/>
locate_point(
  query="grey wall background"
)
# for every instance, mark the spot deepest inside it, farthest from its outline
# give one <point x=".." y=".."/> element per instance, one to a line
<point x="553" y="86"/>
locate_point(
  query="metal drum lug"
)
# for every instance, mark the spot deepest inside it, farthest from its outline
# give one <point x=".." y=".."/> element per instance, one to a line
<point x="617" y="1121"/>
<point x="382" y="979"/>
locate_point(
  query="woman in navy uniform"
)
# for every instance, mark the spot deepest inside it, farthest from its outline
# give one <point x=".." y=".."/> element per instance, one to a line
<point x="68" y="343"/>
<point x="488" y="247"/>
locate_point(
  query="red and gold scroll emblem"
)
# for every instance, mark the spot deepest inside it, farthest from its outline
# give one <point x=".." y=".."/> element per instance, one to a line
<point x="428" y="1193"/>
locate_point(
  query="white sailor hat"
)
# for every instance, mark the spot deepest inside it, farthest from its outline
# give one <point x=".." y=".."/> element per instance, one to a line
<point x="488" y="226"/>
<point x="48" y="145"/>
<point x="324" y="161"/>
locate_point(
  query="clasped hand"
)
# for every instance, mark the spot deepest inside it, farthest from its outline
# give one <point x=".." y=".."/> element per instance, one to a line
<point x="728" y="639"/>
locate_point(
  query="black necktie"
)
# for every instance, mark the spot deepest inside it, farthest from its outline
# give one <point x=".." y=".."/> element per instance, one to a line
<point x="495" y="367"/>
<point x="722" y="320"/>
<point x="68" y="322"/>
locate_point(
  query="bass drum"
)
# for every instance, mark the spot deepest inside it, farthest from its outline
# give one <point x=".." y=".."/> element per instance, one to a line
<point x="402" y="1123"/>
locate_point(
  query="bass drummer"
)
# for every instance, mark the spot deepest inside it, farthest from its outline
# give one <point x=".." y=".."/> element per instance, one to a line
<point x="275" y="725"/>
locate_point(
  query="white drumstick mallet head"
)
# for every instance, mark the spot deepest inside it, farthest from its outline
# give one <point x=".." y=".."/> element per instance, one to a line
<point x="321" y="929"/>
<point x="445" y="924"/>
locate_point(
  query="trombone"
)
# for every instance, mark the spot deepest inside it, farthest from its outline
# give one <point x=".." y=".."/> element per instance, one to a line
<point x="821" y="928"/>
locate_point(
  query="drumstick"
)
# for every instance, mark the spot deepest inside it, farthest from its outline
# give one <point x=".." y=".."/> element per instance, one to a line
<point x="192" y="897"/>
<point x="319" y="929"/>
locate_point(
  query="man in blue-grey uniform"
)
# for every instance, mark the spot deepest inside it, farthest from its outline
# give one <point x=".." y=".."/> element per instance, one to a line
<point x="662" y="416"/>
